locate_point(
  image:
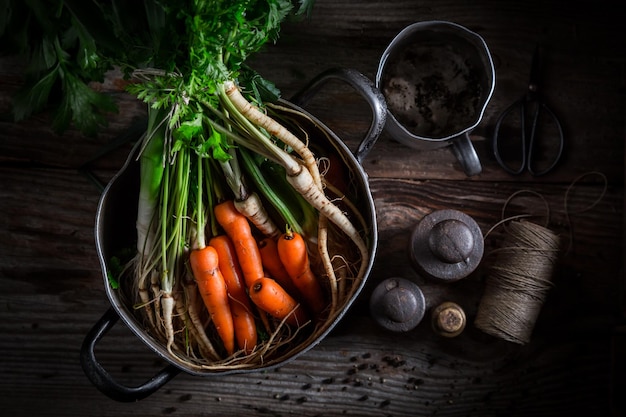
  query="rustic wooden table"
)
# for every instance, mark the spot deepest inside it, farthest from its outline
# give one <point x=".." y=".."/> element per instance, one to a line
<point x="52" y="289"/>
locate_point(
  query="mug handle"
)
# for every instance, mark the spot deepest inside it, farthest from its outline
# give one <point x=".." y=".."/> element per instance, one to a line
<point x="366" y="88"/>
<point x="102" y="380"/>
<point x="465" y="153"/>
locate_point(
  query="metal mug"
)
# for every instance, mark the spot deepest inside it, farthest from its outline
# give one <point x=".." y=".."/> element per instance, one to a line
<point x="437" y="78"/>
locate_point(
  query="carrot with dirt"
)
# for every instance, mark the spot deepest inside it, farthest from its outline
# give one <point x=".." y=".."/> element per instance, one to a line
<point x="205" y="266"/>
<point x="293" y="254"/>
<point x="243" y="318"/>
<point x="274" y="266"/>
<point x="204" y="263"/>
<point x="239" y="231"/>
<point x="270" y="297"/>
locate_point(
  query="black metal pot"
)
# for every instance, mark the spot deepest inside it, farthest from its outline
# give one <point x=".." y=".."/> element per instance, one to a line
<point x="115" y="228"/>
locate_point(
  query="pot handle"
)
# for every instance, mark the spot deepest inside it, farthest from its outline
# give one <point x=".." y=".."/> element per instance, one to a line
<point x="465" y="153"/>
<point x="103" y="380"/>
<point x="366" y="88"/>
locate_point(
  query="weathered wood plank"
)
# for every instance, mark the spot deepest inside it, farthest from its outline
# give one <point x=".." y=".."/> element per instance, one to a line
<point x="53" y="287"/>
<point x="48" y="308"/>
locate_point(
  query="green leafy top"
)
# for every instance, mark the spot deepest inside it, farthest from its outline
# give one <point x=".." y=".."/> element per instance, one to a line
<point x="186" y="48"/>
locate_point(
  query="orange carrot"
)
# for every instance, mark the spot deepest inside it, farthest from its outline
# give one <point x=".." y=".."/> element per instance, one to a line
<point x="292" y="251"/>
<point x="274" y="266"/>
<point x="245" y="328"/>
<point x="205" y="268"/>
<point x="239" y="231"/>
<point x="270" y="297"/>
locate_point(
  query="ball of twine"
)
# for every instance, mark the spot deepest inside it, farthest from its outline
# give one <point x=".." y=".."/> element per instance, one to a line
<point x="518" y="282"/>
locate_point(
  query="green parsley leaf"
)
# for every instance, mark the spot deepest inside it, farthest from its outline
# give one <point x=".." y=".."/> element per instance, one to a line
<point x="82" y="105"/>
<point x="216" y="143"/>
<point x="34" y="96"/>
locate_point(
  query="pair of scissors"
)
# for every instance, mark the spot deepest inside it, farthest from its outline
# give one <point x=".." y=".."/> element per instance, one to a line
<point x="539" y="144"/>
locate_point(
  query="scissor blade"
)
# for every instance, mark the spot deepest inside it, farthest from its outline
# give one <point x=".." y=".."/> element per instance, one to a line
<point x="547" y="142"/>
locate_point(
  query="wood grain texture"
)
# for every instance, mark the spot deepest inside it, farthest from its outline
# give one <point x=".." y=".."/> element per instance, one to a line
<point x="53" y="289"/>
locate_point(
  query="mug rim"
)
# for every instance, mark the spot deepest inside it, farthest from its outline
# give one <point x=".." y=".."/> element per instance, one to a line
<point x="424" y="25"/>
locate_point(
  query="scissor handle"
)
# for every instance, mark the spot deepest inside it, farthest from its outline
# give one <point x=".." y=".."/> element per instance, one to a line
<point x="496" y="138"/>
<point x="541" y="106"/>
<point x="528" y="140"/>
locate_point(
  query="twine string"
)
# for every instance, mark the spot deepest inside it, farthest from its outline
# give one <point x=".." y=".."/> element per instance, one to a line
<point x="566" y="200"/>
<point x="505" y="219"/>
<point x="518" y="282"/>
<point x="519" y="279"/>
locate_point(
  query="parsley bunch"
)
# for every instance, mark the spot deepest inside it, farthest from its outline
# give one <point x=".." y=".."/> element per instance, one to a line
<point x="194" y="45"/>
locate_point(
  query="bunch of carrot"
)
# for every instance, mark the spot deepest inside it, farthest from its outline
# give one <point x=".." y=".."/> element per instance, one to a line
<point x="214" y="278"/>
<point x="234" y="269"/>
<point x="207" y="114"/>
<point x="224" y="164"/>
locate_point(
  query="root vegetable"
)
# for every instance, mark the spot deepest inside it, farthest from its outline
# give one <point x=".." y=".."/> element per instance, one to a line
<point x="243" y="318"/>
<point x="293" y="254"/>
<point x="239" y="231"/>
<point x="274" y="266"/>
<point x="205" y="267"/>
<point x="270" y="297"/>
<point x="252" y="208"/>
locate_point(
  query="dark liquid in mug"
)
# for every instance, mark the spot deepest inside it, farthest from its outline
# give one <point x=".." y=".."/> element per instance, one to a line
<point x="432" y="90"/>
